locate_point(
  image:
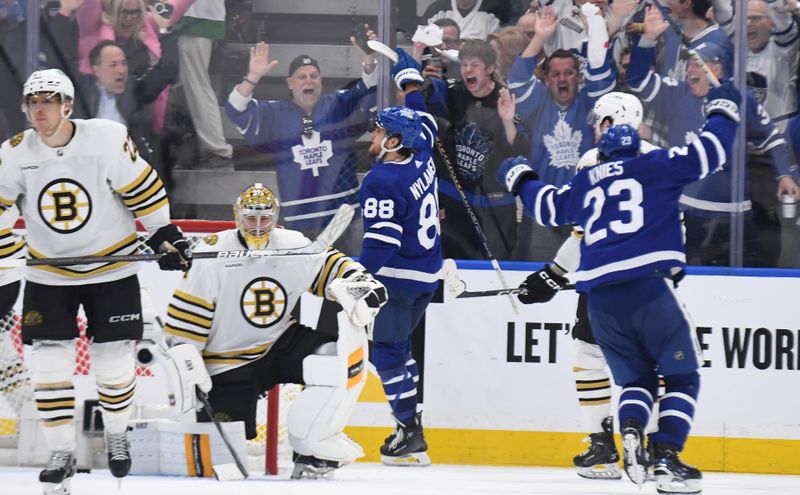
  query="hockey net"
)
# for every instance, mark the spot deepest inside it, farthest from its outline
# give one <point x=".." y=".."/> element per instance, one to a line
<point x="269" y="449"/>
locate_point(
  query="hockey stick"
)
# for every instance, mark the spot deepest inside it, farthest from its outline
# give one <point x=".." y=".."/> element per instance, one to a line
<point x="475" y="224"/>
<point x="224" y="472"/>
<point x="458" y="288"/>
<point x="328" y="236"/>
<point x="692" y="53"/>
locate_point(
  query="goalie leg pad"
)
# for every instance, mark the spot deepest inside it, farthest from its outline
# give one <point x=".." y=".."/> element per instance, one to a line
<point x="334" y="378"/>
<point x="114" y="369"/>
<point x="52" y="363"/>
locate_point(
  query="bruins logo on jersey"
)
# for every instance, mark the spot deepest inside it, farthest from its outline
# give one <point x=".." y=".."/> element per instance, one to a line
<point x="211" y="239"/>
<point x="263" y="302"/>
<point x="14" y="141"/>
<point x="65" y="206"/>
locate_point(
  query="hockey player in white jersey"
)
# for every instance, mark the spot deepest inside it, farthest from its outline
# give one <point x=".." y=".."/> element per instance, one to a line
<point x="81" y="185"/>
<point x="592" y="378"/>
<point x="238" y="314"/>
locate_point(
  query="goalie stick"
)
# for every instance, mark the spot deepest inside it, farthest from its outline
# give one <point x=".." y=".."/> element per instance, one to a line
<point x="328" y="236"/>
<point x="224" y="472"/>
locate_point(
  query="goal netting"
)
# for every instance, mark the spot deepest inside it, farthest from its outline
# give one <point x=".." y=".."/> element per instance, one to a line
<point x="269" y="450"/>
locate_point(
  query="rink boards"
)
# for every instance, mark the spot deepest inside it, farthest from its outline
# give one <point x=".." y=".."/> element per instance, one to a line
<point x="498" y="387"/>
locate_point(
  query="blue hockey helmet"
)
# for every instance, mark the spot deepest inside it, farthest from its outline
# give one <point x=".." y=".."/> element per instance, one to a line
<point x="619" y="141"/>
<point x="399" y="121"/>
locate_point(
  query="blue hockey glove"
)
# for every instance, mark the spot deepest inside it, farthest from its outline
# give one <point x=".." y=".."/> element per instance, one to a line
<point x="406" y="70"/>
<point x="169" y="240"/>
<point x="724" y="100"/>
<point x="513" y="172"/>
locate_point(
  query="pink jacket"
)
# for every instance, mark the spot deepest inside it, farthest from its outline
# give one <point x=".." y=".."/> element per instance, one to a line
<point x="93" y="30"/>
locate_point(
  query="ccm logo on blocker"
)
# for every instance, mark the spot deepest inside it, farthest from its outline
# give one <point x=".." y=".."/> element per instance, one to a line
<point x="121" y="318"/>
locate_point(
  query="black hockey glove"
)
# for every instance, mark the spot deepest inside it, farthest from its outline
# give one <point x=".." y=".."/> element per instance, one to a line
<point x="541" y="286"/>
<point x="177" y="252"/>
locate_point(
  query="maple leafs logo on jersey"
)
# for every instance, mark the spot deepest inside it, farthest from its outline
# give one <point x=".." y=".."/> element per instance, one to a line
<point x="564" y="144"/>
<point x="472" y="151"/>
<point x="313" y="154"/>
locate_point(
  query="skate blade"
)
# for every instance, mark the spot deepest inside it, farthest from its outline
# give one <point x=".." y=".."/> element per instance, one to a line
<point x="301" y="473"/>
<point x="63" y="488"/>
<point x="668" y="484"/>
<point x="635" y="471"/>
<point x="600" y="472"/>
<point x="418" y="459"/>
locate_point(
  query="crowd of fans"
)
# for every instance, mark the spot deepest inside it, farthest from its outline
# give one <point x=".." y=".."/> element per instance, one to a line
<point x="504" y="77"/>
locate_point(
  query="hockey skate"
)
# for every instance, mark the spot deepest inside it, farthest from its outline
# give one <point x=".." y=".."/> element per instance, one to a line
<point x="599" y="462"/>
<point x="635" y="458"/>
<point x="56" y="478"/>
<point x="119" y="455"/>
<point x="672" y="474"/>
<point x="310" y="467"/>
<point x="407" y="446"/>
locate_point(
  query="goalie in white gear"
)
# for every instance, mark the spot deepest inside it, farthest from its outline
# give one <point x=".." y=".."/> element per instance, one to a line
<point x="592" y="378"/>
<point x="237" y="312"/>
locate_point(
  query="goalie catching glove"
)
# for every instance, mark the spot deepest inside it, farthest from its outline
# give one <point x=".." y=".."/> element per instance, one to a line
<point x="360" y="295"/>
<point x="169" y="240"/>
<point x="541" y="286"/>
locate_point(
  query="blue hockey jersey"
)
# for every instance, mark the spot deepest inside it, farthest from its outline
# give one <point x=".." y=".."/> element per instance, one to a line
<point x="674" y="104"/>
<point x="628" y="208"/>
<point x="558" y="136"/>
<point x="317" y="170"/>
<point x="402" y="237"/>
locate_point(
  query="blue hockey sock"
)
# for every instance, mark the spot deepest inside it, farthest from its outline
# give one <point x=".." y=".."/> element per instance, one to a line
<point x="636" y="401"/>
<point x="677" y="409"/>
<point x="399" y="374"/>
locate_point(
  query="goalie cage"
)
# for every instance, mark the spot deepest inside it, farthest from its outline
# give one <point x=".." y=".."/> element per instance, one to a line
<point x="269" y="449"/>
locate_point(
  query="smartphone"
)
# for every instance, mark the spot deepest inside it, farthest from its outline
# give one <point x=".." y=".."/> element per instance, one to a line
<point x="360" y="35"/>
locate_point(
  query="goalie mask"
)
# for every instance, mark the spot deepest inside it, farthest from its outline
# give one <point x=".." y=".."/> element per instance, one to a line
<point x="256" y="211"/>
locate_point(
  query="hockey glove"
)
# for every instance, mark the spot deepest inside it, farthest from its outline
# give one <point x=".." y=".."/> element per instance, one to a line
<point x="169" y="240"/>
<point x="406" y="70"/>
<point x="360" y="295"/>
<point x="541" y="286"/>
<point x="513" y="172"/>
<point x="724" y="100"/>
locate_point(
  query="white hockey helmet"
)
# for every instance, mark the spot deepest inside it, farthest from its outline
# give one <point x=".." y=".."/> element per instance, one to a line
<point x="620" y="108"/>
<point x="51" y="81"/>
<point x="256" y="213"/>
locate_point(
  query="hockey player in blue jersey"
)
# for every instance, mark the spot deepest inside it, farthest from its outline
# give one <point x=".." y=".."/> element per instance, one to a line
<point x="402" y="248"/>
<point x="631" y="251"/>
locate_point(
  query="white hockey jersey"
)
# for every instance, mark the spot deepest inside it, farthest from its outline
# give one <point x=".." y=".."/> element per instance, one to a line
<point x="81" y="199"/>
<point x="12" y="246"/>
<point x="234" y="310"/>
